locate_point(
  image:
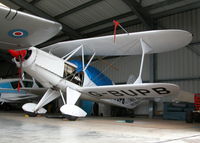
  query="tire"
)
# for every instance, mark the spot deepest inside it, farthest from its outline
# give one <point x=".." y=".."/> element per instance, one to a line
<point x="71" y="118"/>
<point x="30" y="114"/>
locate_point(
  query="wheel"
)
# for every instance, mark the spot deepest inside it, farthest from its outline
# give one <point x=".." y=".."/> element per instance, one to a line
<point x="189" y="117"/>
<point x="30" y="114"/>
<point x="71" y="118"/>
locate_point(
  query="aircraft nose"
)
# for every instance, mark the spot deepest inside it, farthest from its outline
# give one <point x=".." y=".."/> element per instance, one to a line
<point x="17" y="54"/>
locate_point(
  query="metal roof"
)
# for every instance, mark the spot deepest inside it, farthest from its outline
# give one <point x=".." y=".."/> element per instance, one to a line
<point x="86" y="18"/>
<point x="56" y="7"/>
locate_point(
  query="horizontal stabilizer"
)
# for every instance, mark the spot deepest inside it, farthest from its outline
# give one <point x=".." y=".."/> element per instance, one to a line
<point x="184" y="96"/>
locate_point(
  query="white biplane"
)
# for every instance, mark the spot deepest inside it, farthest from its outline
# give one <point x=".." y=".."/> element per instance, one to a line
<point x="56" y="70"/>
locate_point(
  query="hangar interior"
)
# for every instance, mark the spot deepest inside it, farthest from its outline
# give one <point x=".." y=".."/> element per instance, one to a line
<point x="91" y="18"/>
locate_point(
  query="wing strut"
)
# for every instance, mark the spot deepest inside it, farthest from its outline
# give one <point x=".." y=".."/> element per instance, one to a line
<point x="69" y="109"/>
<point x="145" y="50"/>
<point x="32" y="108"/>
<point x="73" y="52"/>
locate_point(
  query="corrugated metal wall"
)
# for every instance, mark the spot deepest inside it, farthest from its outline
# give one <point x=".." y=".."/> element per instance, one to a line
<point x="182" y="64"/>
<point x="181" y="67"/>
<point x="123" y="67"/>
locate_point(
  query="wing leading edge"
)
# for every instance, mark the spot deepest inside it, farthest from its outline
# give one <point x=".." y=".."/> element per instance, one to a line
<point x="158" y="40"/>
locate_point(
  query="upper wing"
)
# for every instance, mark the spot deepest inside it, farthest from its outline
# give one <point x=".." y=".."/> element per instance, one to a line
<point x="146" y="90"/>
<point x="20" y="30"/>
<point x="159" y="41"/>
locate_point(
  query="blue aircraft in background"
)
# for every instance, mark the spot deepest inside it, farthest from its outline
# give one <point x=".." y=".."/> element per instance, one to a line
<point x="9" y="92"/>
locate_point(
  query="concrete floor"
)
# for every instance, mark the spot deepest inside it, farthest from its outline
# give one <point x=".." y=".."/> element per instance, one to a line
<point x="16" y="128"/>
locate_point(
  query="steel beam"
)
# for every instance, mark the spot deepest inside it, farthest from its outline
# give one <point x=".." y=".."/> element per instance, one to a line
<point x="127" y="14"/>
<point x="34" y="1"/>
<point x="78" y="8"/>
<point x="109" y="20"/>
<point x="194" y="50"/>
<point x="155" y="16"/>
<point x="161" y="4"/>
<point x="110" y="28"/>
<point x="139" y="11"/>
<point x="176" y="10"/>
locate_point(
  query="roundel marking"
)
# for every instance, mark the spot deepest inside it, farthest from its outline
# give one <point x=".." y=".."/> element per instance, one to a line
<point x="18" y="33"/>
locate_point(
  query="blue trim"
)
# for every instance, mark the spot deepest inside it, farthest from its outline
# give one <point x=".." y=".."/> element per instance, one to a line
<point x="12" y="91"/>
<point x="87" y="106"/>
<point x="94" y="74"/>
<point x="5" y="85"/>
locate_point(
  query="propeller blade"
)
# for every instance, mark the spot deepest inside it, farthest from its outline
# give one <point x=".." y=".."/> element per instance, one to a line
<point x="17" y="54"/>
<point x="20" y="55"/>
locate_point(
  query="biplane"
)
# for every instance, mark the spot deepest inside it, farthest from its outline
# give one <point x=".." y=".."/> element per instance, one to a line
<point x="56" y="69"/>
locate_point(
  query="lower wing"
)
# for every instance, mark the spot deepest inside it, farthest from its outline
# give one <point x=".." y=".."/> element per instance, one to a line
<point x="145" y="90"/>
<point x="129" y="95"/>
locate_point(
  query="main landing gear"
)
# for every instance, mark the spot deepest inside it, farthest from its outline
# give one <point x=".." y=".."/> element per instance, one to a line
<point x="69" y="109"/>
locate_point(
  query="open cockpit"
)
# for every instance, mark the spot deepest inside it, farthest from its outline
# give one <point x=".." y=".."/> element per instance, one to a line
<point x="71" y="73"/>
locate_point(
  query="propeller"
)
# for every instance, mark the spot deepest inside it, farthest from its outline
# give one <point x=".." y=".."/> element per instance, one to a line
<point x="20" y="56"/>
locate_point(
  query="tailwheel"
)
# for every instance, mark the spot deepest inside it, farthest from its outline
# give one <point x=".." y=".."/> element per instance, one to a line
<point x="71" y="118"/>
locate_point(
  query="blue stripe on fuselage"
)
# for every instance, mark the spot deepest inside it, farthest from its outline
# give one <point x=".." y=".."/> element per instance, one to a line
<point x="94" y="74"/>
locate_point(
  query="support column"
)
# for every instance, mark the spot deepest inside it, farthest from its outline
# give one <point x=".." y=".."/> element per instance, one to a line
<point x="151" y="108"/>
<point x="152" y="79"/>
